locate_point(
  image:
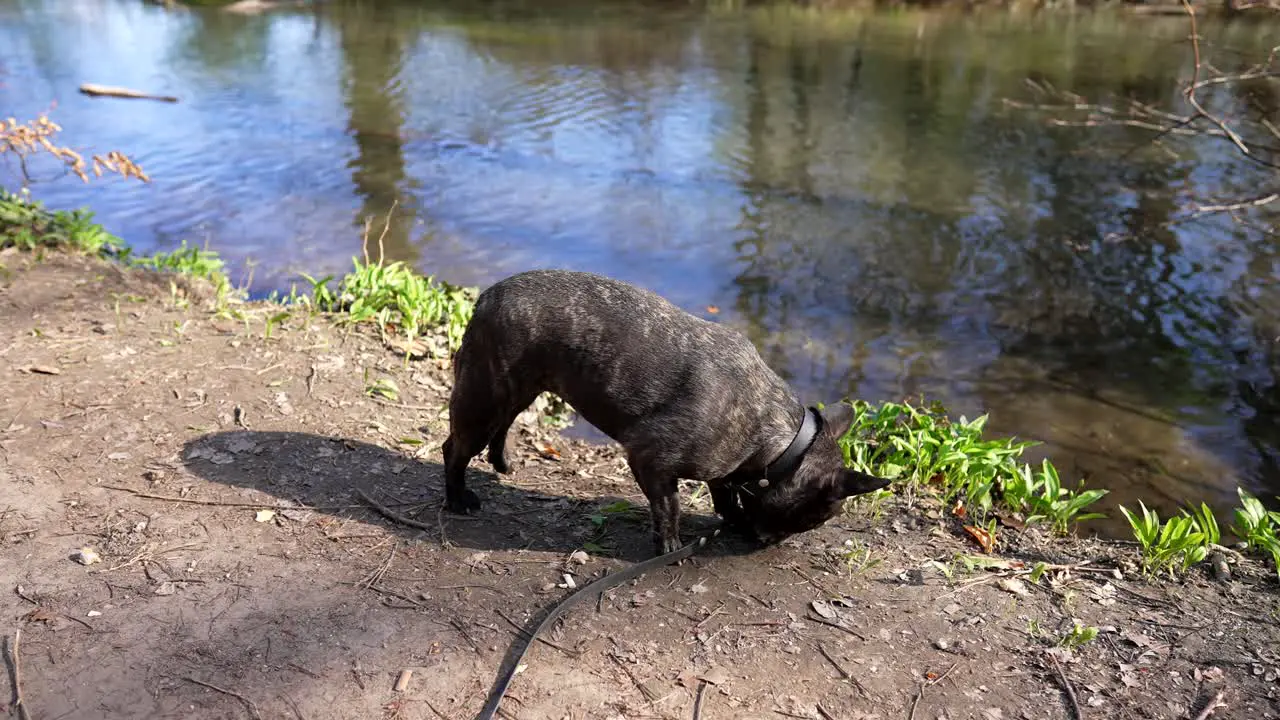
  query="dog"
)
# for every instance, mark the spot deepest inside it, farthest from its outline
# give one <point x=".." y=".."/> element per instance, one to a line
<point x="684" y="397"/>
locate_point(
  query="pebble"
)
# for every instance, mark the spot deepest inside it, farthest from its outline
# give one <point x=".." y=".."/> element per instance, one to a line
<point x="87" y="556"/>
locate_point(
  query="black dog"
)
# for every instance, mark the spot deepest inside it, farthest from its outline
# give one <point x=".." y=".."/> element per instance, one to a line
<point x="685" y="398"/>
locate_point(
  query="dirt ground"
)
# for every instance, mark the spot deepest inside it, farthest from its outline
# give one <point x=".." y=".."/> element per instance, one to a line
<point x="155" y="435"/>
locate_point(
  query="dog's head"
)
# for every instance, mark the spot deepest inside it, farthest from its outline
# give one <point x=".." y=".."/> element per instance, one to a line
<point x="815" y="492"/>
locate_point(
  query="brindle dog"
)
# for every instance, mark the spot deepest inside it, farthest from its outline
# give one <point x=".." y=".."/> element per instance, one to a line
<point x="686" y="398"/>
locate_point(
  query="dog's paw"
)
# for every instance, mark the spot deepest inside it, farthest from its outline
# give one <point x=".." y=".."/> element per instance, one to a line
<point x="498" y="460"/>
<point x="465" y="503"/>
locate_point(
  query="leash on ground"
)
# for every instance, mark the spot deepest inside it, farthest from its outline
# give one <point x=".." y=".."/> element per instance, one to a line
<point x="503" y="681"/>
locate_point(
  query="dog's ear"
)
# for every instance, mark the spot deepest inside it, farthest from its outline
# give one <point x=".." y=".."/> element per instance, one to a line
<point x="858" y="483"/>
<point x="838" y="418"/>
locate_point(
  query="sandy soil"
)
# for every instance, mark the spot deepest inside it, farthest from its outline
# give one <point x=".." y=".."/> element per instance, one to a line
<point x="135" y="423"/>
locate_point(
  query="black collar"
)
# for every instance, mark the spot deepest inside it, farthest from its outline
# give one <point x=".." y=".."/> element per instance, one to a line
<point x="789" y="460"/>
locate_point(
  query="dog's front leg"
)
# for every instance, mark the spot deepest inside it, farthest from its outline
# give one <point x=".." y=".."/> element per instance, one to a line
<point x="724" y="498"/>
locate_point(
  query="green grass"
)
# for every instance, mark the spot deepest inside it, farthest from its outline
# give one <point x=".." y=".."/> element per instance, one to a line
<point x="26" y="224"/>
<point x="921" y="449"/>
<point x="391" y="296"/>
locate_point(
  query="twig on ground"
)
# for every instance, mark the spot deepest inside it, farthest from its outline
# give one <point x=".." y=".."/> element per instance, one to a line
<point x="544" y="641"/>
<point x="1214" y="703"/>
<point x="843" y="673"/>
<point x="823" y="712"/>
<point x="944" y="675"/>
<point x="916" y="702"/>
<point x="253" y="709"/>
<point x="390" y="515"/>
<point x="380" y="571"/>
<point x="644" y="690"/>
<point x="444" y="539"/>
<point x="1066" y="685"/>
<point x="219" y="503"/>
<point x="810" y="580"/>
<point x="433" y="709"/>
<point x="836" y="625"/>
<point x="15" y="666"/>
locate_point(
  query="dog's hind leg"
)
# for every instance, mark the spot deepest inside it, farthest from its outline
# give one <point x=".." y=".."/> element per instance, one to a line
<point x="475" y="410"/>
<point x="498" y="441"/>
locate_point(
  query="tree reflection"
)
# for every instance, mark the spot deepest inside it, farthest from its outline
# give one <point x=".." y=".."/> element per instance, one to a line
<point x="373" y="47"/>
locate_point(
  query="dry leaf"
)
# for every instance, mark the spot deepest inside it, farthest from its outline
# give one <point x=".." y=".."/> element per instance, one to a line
<point x="982" y="537"/>
<point x="824" y="609"/>
<point x="958" y="510"/>
<point x="714" y="310"/>
<point x="1013" y="585"/>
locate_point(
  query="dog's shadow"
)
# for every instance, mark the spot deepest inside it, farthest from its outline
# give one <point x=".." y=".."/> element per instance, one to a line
<point x="328" y="474"/>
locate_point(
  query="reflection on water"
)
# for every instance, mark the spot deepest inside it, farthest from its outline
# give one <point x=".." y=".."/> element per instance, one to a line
<point x="849" y="189"/>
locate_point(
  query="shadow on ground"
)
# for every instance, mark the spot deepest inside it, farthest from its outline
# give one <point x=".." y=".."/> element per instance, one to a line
<point x="327" y="474"/>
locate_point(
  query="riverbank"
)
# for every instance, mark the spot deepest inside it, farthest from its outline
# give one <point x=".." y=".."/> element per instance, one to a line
<point x="202" y="453"/>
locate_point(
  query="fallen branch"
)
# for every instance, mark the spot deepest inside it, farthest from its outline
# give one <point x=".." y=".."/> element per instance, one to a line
<point x="1066" y="684"/>
<point x="16" y="668"/>
<point x="118" y="92"/>
<point x="253" y="709"/>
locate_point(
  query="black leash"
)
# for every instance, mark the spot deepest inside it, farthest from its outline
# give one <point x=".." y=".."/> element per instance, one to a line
<point x="503" y="681"/>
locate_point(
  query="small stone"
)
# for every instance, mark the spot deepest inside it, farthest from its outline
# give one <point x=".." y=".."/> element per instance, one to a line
<point x="93" y="613"/>
<point x="580" y="557"/>
<point x="87" y="556"/>
<point x="952" y="609"/>
<point x="166" y="588"/>
<point x="942" y="644"/>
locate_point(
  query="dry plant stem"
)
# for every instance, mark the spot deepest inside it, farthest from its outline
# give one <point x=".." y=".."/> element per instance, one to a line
<point x="1214" y="703"/>
<point x="253" y="709"/>
<point x="16" y="662"/>
<point x="1066" y="685"/>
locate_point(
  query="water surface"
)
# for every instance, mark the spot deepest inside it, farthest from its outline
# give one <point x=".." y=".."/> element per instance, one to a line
<point x="850" y="190"/>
